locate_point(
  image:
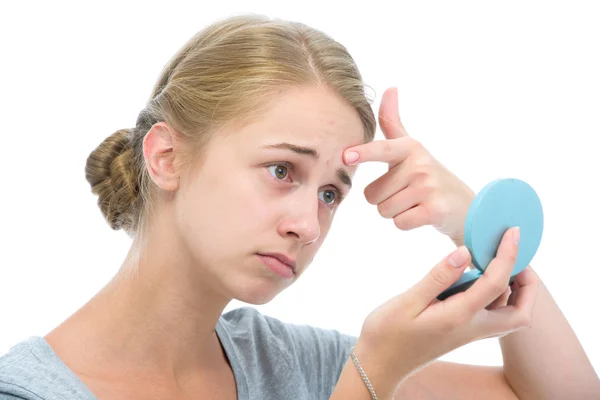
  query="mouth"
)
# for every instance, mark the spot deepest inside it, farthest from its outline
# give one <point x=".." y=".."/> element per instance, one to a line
<point x="279" y="263"/>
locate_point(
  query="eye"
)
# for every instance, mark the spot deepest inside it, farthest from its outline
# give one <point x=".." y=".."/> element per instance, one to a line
<point x="279" y="171"/>
<point x="331" y="196"/>
<point x="282" y="170"/>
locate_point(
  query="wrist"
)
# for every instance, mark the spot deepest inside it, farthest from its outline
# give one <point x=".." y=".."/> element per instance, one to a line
<point x="383" y="367"/>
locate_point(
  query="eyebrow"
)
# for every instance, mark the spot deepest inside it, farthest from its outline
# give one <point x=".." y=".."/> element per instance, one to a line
<point x="308" y="151"/>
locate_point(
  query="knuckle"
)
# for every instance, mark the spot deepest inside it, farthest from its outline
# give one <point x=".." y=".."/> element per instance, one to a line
<point x="428" y="182"/>
<point x="439" y="276"/>
<point x="414" y="143"/>
<point x="499" y="287"/>
<point x="471" y="309"/>
<point x="403" y="223"/>
<point x="422" y="182"/>
<point x="399" y="177"/>
<point x="435" y="184"/>
<point x="437" y="210"/>
<point x="448" y="325"/>
<point x="420" y="167"/>
<point x="400" y="223"/>
<point x="464" y="316"/>
<point x="418" y="171"/>
<point x="511" y="258"/>
<point x="494" y="286"/>
<point x="456" y="321"/>
<point x="387" y="147"/>
<point x="383" y="209"/>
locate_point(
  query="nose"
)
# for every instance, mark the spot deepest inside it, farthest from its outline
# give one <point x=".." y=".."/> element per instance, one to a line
<point x="301" y="218"/>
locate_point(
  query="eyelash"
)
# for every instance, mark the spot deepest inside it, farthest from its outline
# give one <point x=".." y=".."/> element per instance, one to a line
<point x="339" y="196"/>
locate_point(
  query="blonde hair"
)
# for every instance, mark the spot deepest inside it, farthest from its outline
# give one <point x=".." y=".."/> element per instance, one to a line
<point x="226" y="72"/>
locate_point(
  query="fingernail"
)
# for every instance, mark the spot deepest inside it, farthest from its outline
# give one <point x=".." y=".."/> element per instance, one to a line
<point x="517" y="235"/>
<point x="459" y="257"/>
<point x="351" y="157"/>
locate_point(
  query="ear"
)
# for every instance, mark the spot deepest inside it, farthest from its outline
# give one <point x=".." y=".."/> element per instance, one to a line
<point x="160" y="157"/>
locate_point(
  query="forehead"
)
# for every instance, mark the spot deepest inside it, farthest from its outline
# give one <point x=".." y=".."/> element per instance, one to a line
<point x="308" y="116"/>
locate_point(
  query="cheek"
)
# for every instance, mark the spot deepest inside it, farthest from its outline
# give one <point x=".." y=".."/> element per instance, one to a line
<point x="324" y="225"/>
<point x="250" y="202"/>
<point x="326" y="216"/>
<point x="227" y="208"/>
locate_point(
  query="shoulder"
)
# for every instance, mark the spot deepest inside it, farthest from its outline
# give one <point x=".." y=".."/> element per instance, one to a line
<point x="31" y="370"/>
<point x="248" y="321"/>
<point x="307" y="347"/>
<point x="19" y="367"/>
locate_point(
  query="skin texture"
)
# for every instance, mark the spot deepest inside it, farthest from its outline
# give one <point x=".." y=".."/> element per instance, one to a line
<point x="149" y="332"/>
<point x="543" y="359"/>
<point x="199" y="253"/>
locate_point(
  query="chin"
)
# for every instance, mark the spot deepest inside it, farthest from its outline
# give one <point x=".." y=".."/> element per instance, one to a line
<point x="257" y="293"/>
<point x="256" y="299"/>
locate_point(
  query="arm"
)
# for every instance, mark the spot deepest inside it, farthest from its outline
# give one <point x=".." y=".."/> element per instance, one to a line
<point x="443" y="380"/>
<point x="547" y="361"/>
<point x="403" y="337"/>
<point x="439" y="380"/>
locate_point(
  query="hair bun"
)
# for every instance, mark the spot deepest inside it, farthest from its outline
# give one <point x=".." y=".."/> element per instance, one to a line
<point x="110" y="171"/>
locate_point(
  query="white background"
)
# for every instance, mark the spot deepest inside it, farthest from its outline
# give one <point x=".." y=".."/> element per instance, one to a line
<point x="493" y="90"/>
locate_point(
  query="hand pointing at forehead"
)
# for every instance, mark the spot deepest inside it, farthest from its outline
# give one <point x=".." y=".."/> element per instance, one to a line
<point x="417" y="190"/>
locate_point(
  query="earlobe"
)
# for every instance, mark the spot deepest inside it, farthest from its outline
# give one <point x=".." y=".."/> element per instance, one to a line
<point x="160" y="157"/>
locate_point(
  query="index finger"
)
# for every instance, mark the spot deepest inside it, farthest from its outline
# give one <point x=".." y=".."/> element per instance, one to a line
<point x="391" y="151"/>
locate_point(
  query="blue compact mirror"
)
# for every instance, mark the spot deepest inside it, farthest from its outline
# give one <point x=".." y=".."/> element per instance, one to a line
<point x="500" y="205"/>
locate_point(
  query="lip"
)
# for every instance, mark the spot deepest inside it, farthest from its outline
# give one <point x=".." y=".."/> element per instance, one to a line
<point x="290" y="262"/>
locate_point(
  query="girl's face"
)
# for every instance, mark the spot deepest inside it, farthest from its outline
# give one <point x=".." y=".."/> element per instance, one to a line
<point x="272" y="186"/>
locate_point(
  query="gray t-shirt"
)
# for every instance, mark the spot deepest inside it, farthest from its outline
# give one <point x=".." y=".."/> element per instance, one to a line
<point x="270" y="360"/>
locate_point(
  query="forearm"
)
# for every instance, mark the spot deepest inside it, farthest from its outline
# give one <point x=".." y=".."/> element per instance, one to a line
<point x="442" y="380"/>
<point x="546" y="361"/>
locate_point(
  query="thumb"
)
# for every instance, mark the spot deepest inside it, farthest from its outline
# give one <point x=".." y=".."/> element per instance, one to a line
<point x="389" y="116"/>
<point x="440" y="278"/>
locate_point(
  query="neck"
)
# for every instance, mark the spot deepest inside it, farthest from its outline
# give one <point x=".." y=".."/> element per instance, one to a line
<point x="158" y="313"/>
